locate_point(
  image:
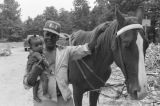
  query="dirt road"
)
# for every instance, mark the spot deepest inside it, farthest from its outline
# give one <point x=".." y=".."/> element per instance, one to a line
<point x="11" y="75"/>
<point x="12" y="69"/>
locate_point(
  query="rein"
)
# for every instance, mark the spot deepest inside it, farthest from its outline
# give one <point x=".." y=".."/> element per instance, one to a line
<point x="91" y="85"/>
<point x="101" y="80"/>
<point x="122" y="63"/>
<point x="122" y="30"/>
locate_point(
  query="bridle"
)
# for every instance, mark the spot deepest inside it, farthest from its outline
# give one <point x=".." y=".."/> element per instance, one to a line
<point x="119" y="32"/>
<point x="129" y="27"/>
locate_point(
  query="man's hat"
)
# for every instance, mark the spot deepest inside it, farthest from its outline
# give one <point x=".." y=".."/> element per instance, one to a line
<point x="53" y="27"/>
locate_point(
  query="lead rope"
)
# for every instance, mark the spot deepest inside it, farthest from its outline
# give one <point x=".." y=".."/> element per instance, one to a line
<point x="97" y="90"/>
<point x="121" y="61"/>
<point x="92" y="87"/>
<point x="103" y="82"/>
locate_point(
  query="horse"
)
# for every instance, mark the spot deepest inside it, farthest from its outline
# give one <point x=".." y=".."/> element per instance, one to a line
<point x="123" y="42"/>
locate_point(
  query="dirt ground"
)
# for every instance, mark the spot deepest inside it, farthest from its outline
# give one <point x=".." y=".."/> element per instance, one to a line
<point x="11" y="74"/>
<point x="12" y="69"/>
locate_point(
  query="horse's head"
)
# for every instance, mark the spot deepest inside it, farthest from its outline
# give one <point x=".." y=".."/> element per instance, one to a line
<point x="129" y="48"/>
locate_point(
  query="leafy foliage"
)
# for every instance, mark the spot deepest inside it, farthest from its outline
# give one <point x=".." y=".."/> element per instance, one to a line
<point x="10" y="19"/>
<point x="80" y="14"/>
<point x="65" y="21"/>
<point x="81" y="17"/>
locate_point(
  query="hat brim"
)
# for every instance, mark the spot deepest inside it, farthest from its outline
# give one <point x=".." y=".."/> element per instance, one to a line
<point x="46" y="29"/>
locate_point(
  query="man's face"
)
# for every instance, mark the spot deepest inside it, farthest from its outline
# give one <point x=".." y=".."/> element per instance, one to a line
<point x="50" y="40"/>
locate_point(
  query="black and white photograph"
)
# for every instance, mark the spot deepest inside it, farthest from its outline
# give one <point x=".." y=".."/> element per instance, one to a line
<point x="80" y="52"/>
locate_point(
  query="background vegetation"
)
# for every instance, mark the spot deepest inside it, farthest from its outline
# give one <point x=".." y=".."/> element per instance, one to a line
<point x="81" y="17"/>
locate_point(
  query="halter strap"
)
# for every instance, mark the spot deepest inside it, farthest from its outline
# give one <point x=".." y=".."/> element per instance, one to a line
<point x="129" y="27"/>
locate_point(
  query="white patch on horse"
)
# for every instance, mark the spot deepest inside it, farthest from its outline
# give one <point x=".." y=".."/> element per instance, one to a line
<point x="142" y="78"/>
<point x="71" y="88"/>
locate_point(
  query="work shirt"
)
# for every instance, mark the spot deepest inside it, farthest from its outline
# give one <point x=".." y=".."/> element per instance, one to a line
<point x="60" y="71"/>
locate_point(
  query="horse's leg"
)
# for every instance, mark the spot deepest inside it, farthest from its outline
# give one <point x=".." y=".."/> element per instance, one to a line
<point x="77" y="95"/>
<point x="93" y="97"/>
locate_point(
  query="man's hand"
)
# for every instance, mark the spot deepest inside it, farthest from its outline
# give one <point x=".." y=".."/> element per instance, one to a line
<point x="41" y="60"/>
<point x="37" y="55"/>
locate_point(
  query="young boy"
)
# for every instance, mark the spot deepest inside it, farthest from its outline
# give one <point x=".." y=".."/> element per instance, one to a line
<point x="36" y="57"/>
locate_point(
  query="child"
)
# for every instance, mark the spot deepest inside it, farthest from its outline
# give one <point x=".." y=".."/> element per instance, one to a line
<point x="36" y="57"/>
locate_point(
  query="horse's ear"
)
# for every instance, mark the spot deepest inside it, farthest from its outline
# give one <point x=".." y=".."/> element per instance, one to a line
<point x="139" y="15"/>
<point x="120" y="17"/>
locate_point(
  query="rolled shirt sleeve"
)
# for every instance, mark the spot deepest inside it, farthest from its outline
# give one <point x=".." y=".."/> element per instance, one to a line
<point x="78" y="52"/>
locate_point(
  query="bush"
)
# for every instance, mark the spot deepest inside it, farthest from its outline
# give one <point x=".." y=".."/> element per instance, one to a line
<point x="3" y="40"/>
<point x="152" y="59"/>
<point x="15" y="38"/>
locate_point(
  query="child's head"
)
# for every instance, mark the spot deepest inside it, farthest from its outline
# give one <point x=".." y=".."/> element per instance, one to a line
<point x="36" y="43"/>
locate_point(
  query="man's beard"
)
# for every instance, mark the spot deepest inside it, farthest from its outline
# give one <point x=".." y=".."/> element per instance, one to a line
<point x="50" y="47"/>
<point x="50" y="44"/>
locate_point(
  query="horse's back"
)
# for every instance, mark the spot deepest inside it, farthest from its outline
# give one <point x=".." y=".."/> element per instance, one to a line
<point x="81" y="37"/>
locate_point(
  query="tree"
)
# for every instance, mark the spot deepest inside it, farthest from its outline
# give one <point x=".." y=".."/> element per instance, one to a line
<point x="34" y="26"/>
<point x="80" y="15"/>
<point x="126" y="5"/>
<point x="101" y="12"/>
<point x="11" y="18"/>
<point x="11" y="10"/>
<point x="1" y="21"/>
<point x="152" y="12"/>
<point x="28" y="26"/>
<point x="38" y="24"/>
<point x="64" y="19"/>
<point x="50" y="13"/>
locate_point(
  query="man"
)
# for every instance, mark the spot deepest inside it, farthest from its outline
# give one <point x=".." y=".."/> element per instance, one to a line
<point x="58" y="57"/>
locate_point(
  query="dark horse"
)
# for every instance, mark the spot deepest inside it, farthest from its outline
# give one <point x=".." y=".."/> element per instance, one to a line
<point x="124" y="42"/>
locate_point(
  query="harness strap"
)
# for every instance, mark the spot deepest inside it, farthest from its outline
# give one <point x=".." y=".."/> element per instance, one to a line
<point x="92" y="87"/>
<point x="81" y="70"/>
<point x="122" y="30"/>
<point x="84" y="76"/>
<point x="98" y="90"/>
<point x="129" y="27"/>
<point x="103" y="82"/>
<point x="88" y="82"/>
<point x="121" y="62"/>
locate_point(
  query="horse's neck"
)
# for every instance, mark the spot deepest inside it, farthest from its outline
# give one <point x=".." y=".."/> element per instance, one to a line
<point x="103" y="55"/>
<point x="105" y="42"/>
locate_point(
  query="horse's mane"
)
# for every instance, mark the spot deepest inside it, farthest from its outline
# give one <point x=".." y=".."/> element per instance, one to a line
<point x="104" y="41"/>
<point x="82" y="37"/>
<point x="106" y="37"/>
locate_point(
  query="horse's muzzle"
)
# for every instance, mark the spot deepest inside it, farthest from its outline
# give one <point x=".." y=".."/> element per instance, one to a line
<point x="138" y="94"/>
<point x="142" y="94"/>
